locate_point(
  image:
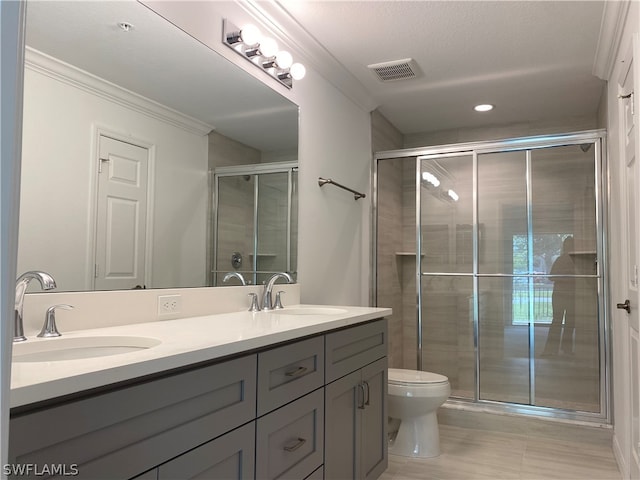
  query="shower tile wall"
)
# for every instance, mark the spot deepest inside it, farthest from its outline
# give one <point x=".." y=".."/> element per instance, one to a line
<point x="389" y="270"/>
<point x="406" y="262"/>
<point x="227" y="152"/>
<point x="235" y="224"/>
<point x="273" y="203"/>
<point x="386" y="137"/>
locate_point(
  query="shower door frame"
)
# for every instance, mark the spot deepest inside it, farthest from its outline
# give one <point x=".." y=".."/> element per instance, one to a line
<point x="524" y="144"/>
<point x="257" y="170"/>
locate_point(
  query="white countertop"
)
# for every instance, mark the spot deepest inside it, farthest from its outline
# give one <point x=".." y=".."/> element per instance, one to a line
<point x="183" y="342"/>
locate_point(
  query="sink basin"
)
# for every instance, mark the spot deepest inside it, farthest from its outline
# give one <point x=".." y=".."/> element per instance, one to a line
<point x="310" y="311"/>
<point x="76" y="348"/>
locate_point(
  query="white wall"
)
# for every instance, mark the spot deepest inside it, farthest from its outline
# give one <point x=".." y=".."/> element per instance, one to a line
<point x="334" y="229"/>
<point x="59" y="165"/>
<point x="334" y="141"/>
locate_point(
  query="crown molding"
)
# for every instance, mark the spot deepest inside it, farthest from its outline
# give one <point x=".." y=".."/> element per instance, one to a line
<point x="611" y="29"/>
<point x="289" y="32"/>
<point x="63" y="72"/>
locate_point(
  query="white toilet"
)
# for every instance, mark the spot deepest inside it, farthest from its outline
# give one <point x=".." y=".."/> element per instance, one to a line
<point x="414" y="398"/>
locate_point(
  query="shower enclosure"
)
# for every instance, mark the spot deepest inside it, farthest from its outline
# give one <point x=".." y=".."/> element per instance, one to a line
<point x="254" y="222"/>
<point x="492" y="256"/>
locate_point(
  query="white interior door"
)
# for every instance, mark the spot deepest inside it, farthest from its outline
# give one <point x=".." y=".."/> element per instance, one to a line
<point x="121" y="215"/>
<point x="631" y="304"/>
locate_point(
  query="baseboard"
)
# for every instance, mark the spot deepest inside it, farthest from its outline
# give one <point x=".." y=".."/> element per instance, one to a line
<point x="623" y="466"/>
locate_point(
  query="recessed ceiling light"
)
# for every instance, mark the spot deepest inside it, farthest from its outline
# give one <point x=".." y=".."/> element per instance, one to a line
<point x="485" y="107"/>
<point x="126" y="26"/>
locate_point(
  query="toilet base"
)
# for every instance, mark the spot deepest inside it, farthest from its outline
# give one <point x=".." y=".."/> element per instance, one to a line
<point x="417" y="437"/>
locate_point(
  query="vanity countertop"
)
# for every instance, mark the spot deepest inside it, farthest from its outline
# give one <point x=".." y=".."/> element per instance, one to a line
<point x="184" y="342"/>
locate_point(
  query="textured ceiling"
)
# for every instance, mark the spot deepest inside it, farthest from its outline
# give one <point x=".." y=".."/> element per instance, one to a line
<point x="161" y="62"/>
<point x="532" y="59"/>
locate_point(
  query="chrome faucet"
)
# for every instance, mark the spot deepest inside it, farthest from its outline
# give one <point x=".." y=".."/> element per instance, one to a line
<point x="46" y="282"/>
<point x="267" y="301"/>
<point x="238" y="275"/>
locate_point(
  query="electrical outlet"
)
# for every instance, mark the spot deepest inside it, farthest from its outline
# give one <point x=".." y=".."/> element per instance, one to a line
<point x="169" y="304"/>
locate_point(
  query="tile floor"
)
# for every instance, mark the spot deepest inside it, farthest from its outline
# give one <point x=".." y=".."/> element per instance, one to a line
<point x="511" y="448"/>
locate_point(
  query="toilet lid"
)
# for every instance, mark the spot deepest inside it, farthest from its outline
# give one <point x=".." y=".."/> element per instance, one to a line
<point x="413" y="377"/>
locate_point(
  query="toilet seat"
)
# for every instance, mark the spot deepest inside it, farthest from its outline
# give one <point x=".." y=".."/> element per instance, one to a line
<point x="413" y="378"/>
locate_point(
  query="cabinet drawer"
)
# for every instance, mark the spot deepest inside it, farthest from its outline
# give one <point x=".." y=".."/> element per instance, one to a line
<point x="290" y="440"/>
<point x="351" y="349"/>
<point x="229" y="457"/>
<point x="130" y="430"/>
<point x="289" y="372"/>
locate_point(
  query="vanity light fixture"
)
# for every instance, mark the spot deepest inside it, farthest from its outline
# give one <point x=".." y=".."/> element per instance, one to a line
<point x="262" y="52"/>
<point x="484" y="107"/>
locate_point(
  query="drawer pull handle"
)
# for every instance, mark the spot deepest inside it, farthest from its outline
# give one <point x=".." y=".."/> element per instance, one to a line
<point x="297" y="372"/>
<point x="295" y="445"/>
<point x="368" y="397"/>
<point x="361" y="405"/>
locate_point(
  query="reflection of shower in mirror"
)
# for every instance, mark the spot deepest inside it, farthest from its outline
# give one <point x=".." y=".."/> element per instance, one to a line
<point x="255" y="221"/>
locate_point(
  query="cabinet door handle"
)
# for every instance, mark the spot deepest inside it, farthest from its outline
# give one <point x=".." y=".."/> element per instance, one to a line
<point x="368" y="397"/>
<point x="296" y="372"/>
<point x="361" y="388"/>
<point x="295" y="445"/>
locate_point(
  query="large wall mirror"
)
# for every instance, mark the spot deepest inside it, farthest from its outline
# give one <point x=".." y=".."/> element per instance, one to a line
<point x="126" y="119"/>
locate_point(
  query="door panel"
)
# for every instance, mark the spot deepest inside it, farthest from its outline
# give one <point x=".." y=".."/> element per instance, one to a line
<point x="374" y="421"/>
<point x="121" y="215"/>
<point x="342" y="427"/>
<point x="630" y="257"/>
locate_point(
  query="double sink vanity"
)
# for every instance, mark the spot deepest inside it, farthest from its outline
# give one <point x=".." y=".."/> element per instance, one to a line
<point x="293" y="393"/>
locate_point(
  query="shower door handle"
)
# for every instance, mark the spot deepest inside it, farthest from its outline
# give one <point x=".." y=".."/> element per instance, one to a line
<point x="625" y="306"/>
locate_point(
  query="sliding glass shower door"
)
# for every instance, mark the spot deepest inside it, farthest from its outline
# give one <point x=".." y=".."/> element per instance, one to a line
<point x="508" y="270"/>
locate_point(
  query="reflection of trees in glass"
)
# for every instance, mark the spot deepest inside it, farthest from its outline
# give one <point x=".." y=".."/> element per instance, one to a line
<point x="546" y="248"/>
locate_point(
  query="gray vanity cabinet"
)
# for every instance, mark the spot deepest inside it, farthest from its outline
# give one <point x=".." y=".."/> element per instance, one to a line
<point x="289" y="372"/>
<point x="311" y="409"/>
<point x="355" y="404"/>
<point x="290" y="440"/>
<point x="129" y="430"/>
<point x="229" y="457"/>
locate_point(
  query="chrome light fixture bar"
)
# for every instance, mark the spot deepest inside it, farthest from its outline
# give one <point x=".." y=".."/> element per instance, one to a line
<point x="263" y="52"/>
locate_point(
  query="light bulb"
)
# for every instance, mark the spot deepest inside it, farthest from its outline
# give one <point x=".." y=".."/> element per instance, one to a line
<point x="431" y="178"/>
<point x="268" y="47"/>
<point x="284" y="59"/>
<point x="485" y="107"/>
<point x="454" y="196"/>
<point x="250" y="34"/>
<point x="298" y="71"/>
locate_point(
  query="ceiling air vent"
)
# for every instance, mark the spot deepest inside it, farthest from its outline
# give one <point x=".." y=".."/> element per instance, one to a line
<point x="395" y="70"/>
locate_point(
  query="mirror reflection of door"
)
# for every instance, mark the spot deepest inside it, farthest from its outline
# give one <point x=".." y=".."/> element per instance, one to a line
<point x="121" y="215"/>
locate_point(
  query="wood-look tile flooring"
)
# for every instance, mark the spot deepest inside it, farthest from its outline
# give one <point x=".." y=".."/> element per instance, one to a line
<point x="469" y="454"/>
